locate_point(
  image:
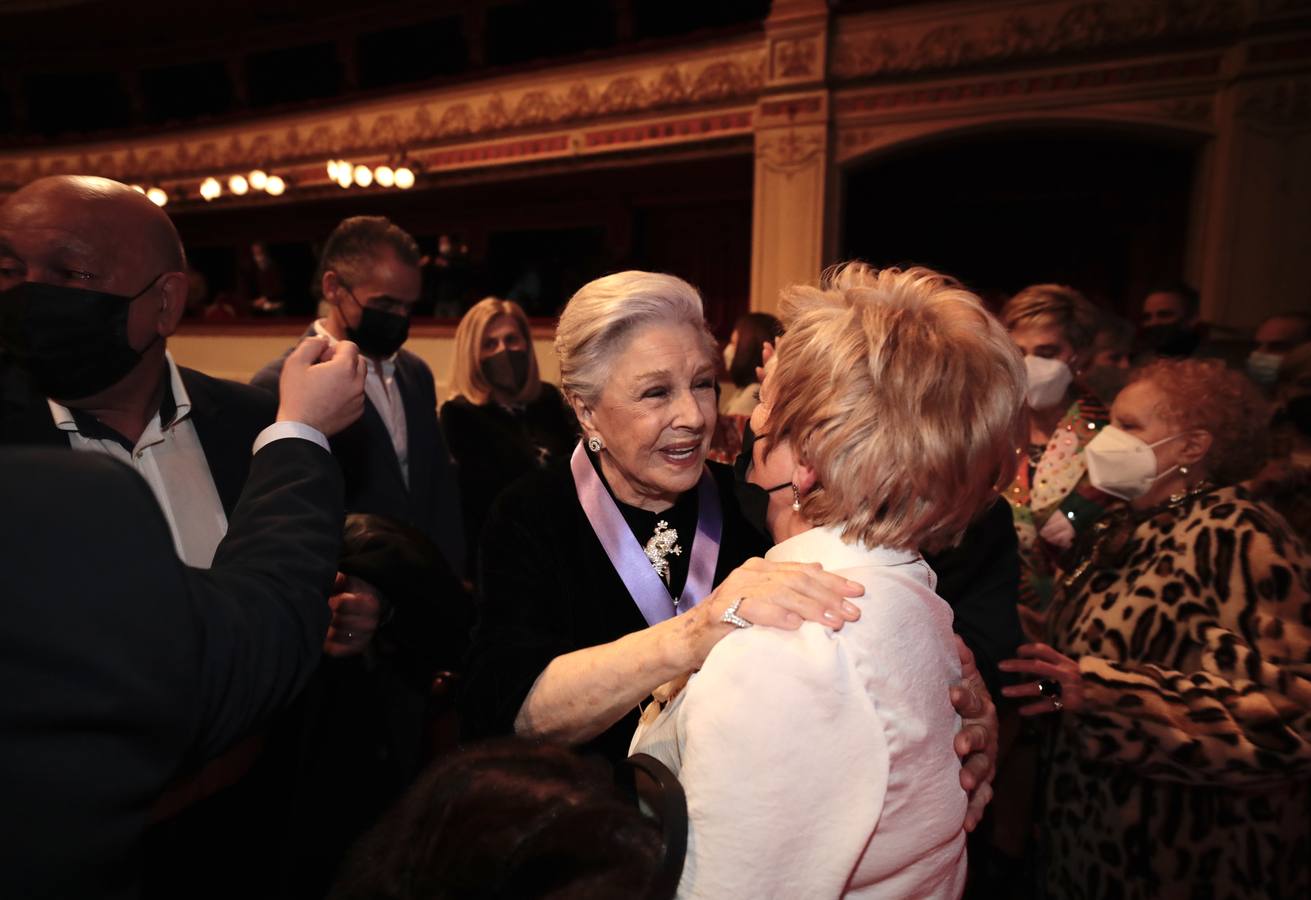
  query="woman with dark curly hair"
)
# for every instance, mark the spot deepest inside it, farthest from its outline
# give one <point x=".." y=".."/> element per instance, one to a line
<point x="1178" y="656"/>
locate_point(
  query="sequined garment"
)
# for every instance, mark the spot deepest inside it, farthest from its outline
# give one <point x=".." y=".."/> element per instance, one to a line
<point x="1057" y="487"/>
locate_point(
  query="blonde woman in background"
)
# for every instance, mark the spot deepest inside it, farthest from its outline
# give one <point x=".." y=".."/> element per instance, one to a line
<point x="502" y="420"/>
<point x="1051" y="500"/>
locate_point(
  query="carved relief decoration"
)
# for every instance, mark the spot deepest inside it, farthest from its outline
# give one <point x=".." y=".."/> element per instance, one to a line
<point x="1014" y="87"/>
<point x="1033" y="32"/>
<point x="795" y="58"/>
<point x="789" y="152"/>
<point x="730" y="76"/>
<point x="1279" y="108"/>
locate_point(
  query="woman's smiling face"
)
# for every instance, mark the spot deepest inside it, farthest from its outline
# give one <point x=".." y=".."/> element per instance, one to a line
<point x="655" y="415"/>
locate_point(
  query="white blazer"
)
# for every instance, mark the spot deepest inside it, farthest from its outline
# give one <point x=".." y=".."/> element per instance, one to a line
<point x="819" y="763"/>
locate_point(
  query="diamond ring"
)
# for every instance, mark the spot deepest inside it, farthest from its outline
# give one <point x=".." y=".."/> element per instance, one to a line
<point x="1049" y="688"/>
<point x="730" y="616"/>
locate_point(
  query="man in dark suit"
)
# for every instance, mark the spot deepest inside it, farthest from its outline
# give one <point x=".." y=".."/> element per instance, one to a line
<point x="394" y="459"/>
<point x="395" y="464"/>
<point x="94" y="282"/>
<point x="120" y="663"/>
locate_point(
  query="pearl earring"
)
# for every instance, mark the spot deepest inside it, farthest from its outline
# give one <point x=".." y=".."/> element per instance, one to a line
<point x="1183" y="470"/>
<point x="796" y="499"/>
<point x="594" y="444"/>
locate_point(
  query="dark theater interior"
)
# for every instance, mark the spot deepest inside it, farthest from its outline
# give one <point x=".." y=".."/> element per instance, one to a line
<point x="587" y="449"/>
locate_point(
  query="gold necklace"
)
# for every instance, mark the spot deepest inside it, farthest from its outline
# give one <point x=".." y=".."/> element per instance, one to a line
<point x="1121" y="525"/>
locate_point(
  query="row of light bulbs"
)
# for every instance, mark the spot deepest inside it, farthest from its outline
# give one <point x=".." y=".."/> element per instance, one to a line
<point x="341" y="171"/>
<point x="345" y="174"/>
<point x="239" y="185"/>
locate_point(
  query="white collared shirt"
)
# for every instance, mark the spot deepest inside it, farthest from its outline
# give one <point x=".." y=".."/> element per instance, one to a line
<point x="170" y="458"/>
<point x="380" y="387"/>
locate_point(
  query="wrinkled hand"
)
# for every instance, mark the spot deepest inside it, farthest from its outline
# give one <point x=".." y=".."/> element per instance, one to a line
<point x="777" y="595"/>
<point x="356" y="612"/>
<point x="1047" y="664"/>
<point x="976" y="742"/>
<point x="322" y="385"/>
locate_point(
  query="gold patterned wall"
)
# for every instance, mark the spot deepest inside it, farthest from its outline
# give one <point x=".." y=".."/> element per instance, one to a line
<point x="817" y="91"/>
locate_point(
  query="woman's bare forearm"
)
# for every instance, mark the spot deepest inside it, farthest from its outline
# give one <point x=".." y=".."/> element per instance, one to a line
<point x="581" y="694"/>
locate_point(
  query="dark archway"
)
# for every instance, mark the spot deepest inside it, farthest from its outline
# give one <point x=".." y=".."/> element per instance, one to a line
<point x="1103" y="211"/>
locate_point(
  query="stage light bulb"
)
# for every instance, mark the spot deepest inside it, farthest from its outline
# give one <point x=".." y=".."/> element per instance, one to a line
<point x="275" y="186"/>
<point x="332" y="170"/>
<point x="258" y="179"/>
<point x="363" y="176"/>
<point x="238" y="184"/>
<point x="157" y="196"/>
<point x="344" y="176"/>
<point x="384" y="176"/>
<point x="404" y="178"/>
<point x="210" y="188"/>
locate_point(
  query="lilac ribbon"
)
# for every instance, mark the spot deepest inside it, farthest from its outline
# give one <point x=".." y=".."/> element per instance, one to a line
<point x="626" y="554"/>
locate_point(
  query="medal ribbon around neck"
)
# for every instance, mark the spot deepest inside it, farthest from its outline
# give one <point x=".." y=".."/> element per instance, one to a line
<point x="628" y="556"/>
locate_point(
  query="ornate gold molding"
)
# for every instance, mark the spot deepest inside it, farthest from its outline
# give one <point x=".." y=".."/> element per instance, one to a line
<point x="788" y="152"/>
<point x="1051" y="87"/>
<point x="544" y="101"/>
<point x="879" y="45"/>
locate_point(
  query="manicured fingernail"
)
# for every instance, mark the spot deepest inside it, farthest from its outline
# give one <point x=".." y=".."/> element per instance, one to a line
<point x="828" y="614"/>
<point x="851" y="609"/>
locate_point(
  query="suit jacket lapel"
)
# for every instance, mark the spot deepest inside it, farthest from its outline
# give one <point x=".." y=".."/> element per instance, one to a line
<point x="379" y="436"/>
<point x="416" y="437"/>
<point x="225" y="458"/>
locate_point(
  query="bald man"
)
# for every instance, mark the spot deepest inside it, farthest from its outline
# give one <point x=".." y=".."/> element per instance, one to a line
<point x="92" y="283"/>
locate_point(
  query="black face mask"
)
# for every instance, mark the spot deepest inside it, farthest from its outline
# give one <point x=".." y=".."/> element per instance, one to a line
<point x="752" y="499"/>
<point x="1170" y="340"/>
<point x="71" y="341"/>
<point x="507" y="370"/>
<point x="379" y="334"/>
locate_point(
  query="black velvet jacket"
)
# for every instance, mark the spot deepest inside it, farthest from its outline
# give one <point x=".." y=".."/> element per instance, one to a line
<point x="547" y="588"/>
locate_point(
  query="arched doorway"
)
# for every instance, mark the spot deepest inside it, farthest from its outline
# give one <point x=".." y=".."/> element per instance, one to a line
<point x="1104" y="211"/>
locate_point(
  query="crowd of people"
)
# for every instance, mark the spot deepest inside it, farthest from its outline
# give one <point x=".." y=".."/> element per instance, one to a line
<point x="796" y="576"/>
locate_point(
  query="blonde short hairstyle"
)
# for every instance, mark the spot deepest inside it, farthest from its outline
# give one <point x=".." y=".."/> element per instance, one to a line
<point x="603" y="314"/>
<point x="905" y="396"/>
<point x="466" y="371"/>
<point x="1206" y="395"/>
<point x="1055" y="305"/>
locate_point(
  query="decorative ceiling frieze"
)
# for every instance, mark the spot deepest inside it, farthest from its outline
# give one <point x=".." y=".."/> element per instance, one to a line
<point x="920" y="41"/>
<point x="729" y="74"/>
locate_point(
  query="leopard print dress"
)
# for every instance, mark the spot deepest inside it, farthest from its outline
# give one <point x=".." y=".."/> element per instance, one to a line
<point x="1186" y="774"/>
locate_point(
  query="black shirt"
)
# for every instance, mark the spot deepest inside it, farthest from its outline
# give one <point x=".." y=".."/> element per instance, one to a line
<point x="547" y="588"/>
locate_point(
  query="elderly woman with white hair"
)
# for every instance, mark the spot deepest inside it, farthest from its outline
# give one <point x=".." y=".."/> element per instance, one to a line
<point x="817" y="763"/>
<point x="617" y="570"/>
